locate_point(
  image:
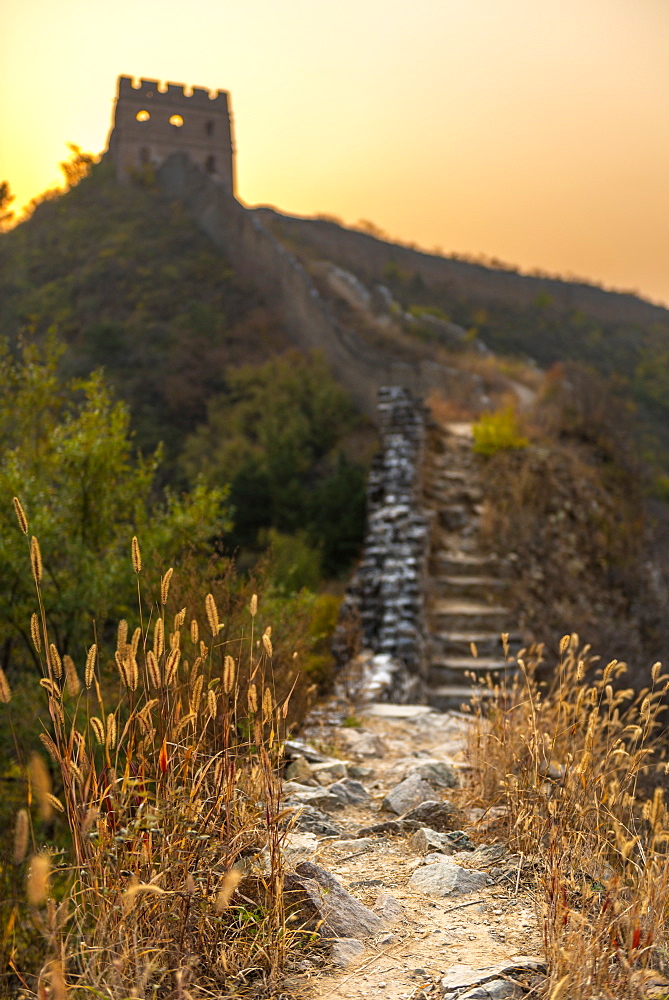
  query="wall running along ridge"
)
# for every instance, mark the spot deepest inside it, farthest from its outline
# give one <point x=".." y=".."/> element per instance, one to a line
<point x="258" y="256"/>
<point x="387" y="593"/>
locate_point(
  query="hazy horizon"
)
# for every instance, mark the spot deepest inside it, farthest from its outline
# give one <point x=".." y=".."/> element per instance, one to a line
<point x="534" y="133"/>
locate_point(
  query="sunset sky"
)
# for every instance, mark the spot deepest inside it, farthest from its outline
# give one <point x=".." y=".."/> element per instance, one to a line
<point x="535" y="131"/>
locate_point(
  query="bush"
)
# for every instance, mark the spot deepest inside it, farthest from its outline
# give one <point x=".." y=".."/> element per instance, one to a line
<point x="498" y="431"/>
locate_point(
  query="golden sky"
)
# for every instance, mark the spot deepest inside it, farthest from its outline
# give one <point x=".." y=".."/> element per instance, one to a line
<point x="535" y="131"/>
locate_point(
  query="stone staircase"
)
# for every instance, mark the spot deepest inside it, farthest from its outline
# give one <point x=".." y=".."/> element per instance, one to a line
<point x="465" y="605"/>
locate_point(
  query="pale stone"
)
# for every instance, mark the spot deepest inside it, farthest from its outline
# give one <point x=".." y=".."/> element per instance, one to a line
<point x="446" y="878"/>
<point x="408" y="794"/>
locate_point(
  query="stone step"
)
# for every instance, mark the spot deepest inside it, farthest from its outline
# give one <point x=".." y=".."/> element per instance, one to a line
<point x="458" y="644"/>
<point x="452" y="671"/>
<point x="448" y="563"/>
<point x="454" y="516"/>
<point x="453" y="614"/>
<point x="454" y="696"/>
<point x="482" y="588"/>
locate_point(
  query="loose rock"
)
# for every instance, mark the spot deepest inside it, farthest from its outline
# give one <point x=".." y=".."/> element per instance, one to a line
<point x="349" y="792"/>
<point x="425" y="840"/>
<point x="315" y="821"/>
<point x="326" y="773"/>
<point x="436" y="815"/>
<point x="321" y="798"/>
<point x="446" y="878"/>
<point x="437" y="773"/>
<point x="298" y="770"/>
<point x="342" y="914"/>
<point x="462" y="977"/>
<point x="388" y="908"/>
<point x="409" y="793"/>
<point x="345" y="951"/>
<point x="362" y="743"/>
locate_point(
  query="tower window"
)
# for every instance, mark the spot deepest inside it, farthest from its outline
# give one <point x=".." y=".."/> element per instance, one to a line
<point x="211" y="164"/>
<point x="177" y="121"/>
<point x="142" y="116"/>
<point x="144" y="155"/>
<point x="209" y="128"/>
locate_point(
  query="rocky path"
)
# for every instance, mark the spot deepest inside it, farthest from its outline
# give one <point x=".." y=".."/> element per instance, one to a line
<point x="446" y="911"/>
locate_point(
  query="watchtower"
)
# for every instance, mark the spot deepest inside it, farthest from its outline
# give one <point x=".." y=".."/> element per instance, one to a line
<point x="152" y="120"/>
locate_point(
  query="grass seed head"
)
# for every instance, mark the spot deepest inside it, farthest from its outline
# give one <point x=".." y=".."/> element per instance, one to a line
<point x="56" y="662"/>
<point x="122" y="636"/>
<point x="5" y="690"/>
<point x="36" y="560"/>
<point x="172" y="666"/>
<point x="111" y="731"/>
<point x="98" y="728"/>
<point x="228" y="674"/>
<point x="158" y="638"/>
<point x="134" y="642"/>
<point x="165" y="585"/>
<point x="267" y="642"/>
<point x="91" y="657"/>
<point x="212" y="614"/>
<point x="253" y="606"/>
<point x="228" y="886"/>
<point x="72" y="682"/>
<point x="136" y="556"/>
<point x="211" y="703"/>
<point x="252" y="698"/>
<point x="194" y="632"/>
<point x="153" y="669"/>
<point x="21" y="831"/>
<point x="38" y="879"/>
<point x="21" y="516"/>
<point x="35" y="633"/>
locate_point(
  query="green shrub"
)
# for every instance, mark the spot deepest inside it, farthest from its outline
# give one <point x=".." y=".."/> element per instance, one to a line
<point x="498" y="431"/>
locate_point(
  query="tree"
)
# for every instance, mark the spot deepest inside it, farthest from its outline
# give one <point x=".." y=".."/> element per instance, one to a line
<point x="67" y="454"/>
<point x="6" y="214"/>
<point x="78" y="166"/>
<point x="275" y="436"/>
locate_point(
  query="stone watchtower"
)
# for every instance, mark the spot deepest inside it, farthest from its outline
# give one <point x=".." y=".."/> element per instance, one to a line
<point x="152" y="121"/>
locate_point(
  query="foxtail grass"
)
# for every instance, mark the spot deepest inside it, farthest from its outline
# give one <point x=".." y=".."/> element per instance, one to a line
<point x="167" y="756"/>
<point x="576" y="766"/>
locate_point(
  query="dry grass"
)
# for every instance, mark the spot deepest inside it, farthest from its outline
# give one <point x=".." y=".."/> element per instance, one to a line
<point x="170" y="779"/>
<point x="569" y="764"/>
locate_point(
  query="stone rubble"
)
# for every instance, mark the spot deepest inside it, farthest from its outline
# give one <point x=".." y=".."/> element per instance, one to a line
<point x="338" y="877"/>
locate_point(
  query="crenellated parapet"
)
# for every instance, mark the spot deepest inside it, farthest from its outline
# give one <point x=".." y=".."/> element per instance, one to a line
<point x="164" y="93"/>
<point x="153" y="120"/>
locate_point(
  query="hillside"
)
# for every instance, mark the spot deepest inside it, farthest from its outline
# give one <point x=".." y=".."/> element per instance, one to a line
<point x="547" y="320"/>
<point x="124" y="278"/>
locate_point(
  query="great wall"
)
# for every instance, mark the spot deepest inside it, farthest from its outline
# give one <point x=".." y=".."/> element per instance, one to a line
<point x="423" y="593"/>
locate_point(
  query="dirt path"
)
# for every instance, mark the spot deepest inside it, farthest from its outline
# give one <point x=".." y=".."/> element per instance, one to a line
<point x="430" y="935"/>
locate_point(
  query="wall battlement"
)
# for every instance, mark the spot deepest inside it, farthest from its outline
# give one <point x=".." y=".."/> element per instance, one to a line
<point x="154" y="90"/>
<point x="153" y="120"/>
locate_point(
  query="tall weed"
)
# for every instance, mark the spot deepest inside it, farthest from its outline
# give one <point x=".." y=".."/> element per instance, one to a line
<point x="569" y="763"/>
<point x="169" y="776"/>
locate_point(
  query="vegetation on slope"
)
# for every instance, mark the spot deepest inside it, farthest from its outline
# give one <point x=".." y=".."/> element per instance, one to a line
<point x="618" y="335"/>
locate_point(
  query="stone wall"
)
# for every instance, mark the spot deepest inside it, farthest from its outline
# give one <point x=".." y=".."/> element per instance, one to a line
<point x="310" y="323"/>
<point x="387" y="593"/>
